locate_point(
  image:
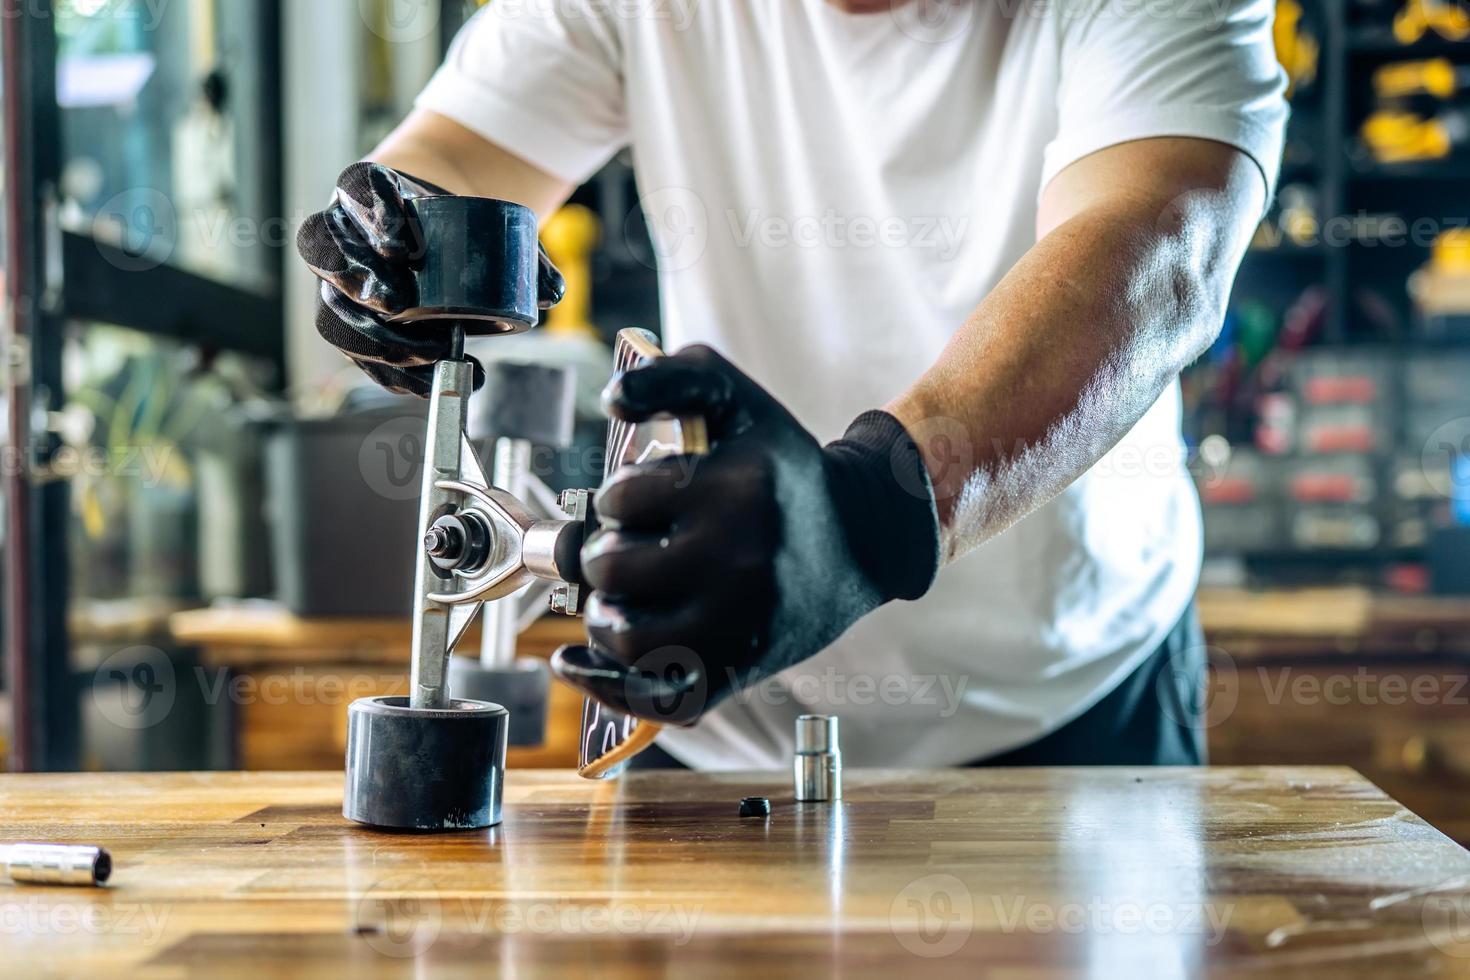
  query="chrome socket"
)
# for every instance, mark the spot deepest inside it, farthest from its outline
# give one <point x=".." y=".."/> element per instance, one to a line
<point x="818" y="767"/>
<point x="56" y="864"/>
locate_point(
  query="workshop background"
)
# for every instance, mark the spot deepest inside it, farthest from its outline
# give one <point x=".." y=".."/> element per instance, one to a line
<point x="202" y="499"/>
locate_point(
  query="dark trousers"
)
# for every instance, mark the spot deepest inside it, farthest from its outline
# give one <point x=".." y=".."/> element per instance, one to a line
<point x="1152" y="718"/>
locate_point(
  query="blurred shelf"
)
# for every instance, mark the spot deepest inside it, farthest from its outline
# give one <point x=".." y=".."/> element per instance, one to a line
<point x="1379" y="42"/>
<point x="122" y="620"/>
<point x="1331" y="622"/>
<point x="1434" y="170"/>
<point x="323" y="664"/>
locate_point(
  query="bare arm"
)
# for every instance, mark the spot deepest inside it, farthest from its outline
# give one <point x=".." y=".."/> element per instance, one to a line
<point x="1127" y="284"/>
<point x="440" y="150"/>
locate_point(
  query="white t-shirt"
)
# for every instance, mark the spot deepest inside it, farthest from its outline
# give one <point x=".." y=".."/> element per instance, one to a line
<point x="831" y="196"/>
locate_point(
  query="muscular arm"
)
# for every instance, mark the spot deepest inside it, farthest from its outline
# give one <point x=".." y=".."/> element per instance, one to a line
<point x="1137" y="248"/>
<point x="440" y="150"/>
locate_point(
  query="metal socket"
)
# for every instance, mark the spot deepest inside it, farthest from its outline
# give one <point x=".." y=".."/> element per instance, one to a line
<point x="817" y="769"/>
<point x="57" y="864"/>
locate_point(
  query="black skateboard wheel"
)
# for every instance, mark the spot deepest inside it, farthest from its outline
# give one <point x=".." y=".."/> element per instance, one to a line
<point x="480" y="266"/>
<point x="425" y="768"/>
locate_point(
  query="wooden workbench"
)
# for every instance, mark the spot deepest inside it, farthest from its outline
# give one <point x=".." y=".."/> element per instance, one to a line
<point x="1347" y="676"/>
<point x="1354" y="653"/>
<point x="1034" y="873"/>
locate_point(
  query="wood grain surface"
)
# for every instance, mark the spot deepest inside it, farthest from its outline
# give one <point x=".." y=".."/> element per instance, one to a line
<point x="1008" y="873"/>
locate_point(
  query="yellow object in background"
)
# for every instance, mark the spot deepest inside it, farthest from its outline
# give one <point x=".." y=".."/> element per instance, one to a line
<point x="1444" y="17"/>
<point x="1295" y="48"/>
<point x="1442" y="286"/>
<point x="1298" y="217"/>
<point x="1436" y="76"/>
<point x="1403" y="137"/>
<point x="569" y="237"/>
<point x="1451" y="252"/>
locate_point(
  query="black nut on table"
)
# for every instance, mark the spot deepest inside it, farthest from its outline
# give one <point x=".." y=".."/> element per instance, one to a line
<point x="755" y="806"/>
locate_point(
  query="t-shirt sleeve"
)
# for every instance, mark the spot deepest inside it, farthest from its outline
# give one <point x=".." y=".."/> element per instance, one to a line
<point x="543" y="81"/>
<point x="1199" y="68"/>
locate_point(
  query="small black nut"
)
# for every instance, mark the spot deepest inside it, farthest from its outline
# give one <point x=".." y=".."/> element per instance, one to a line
<point x="755" y="806"/>
<point x="458" y="543"/>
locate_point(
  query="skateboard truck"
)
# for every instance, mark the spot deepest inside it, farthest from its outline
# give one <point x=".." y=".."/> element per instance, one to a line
<point x="431" y="760"/>
<point x="528" y="406"/>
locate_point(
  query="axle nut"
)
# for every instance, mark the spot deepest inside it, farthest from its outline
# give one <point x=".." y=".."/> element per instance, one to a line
<point x="458" y="543"/>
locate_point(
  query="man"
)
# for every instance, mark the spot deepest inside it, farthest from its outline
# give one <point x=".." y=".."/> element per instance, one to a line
<point x="991" y="233"/>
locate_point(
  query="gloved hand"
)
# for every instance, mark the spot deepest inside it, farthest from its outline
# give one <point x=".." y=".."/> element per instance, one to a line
<point x="714" y="573"/>
<point x="364" y="248"/>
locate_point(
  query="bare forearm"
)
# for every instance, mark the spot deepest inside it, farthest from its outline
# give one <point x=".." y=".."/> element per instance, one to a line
<point x="437" y="149"/>
<point x="1066" y="355"/>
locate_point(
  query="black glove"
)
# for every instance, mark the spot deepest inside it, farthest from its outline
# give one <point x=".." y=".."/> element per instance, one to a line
<point x="364" y="248"/>
<point x="714" y="573"/>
